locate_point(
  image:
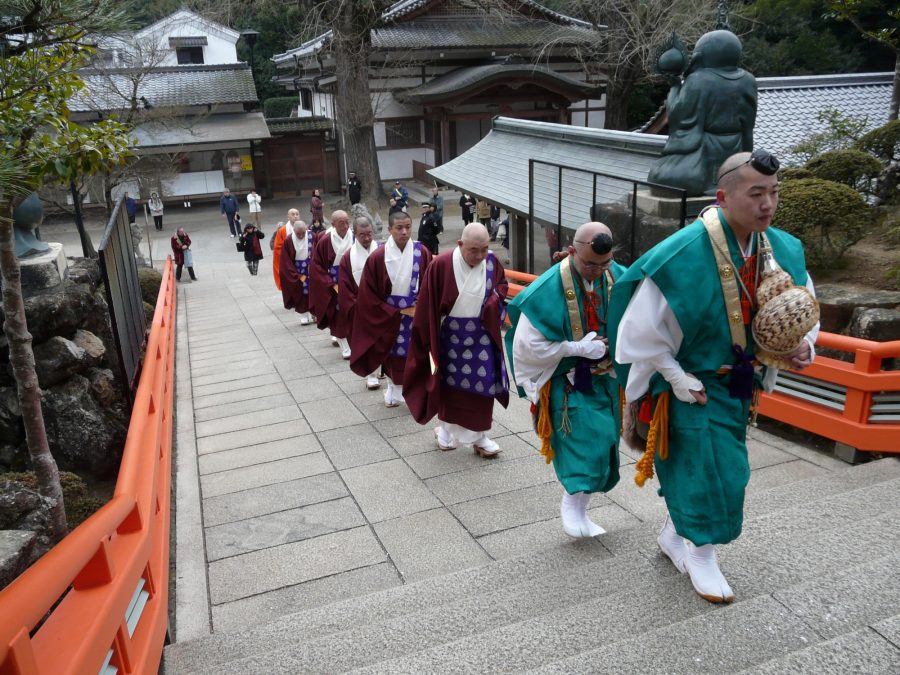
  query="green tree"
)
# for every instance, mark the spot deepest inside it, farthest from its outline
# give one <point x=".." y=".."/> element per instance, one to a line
<point x="44" y="43"/>
<point x="880" y="23"/>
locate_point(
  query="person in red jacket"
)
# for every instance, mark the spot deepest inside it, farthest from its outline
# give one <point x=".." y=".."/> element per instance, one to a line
<point x="181" y="252"/>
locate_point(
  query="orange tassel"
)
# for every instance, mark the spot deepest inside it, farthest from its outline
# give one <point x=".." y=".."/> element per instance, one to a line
<point x="544" y="423"/>
<point x="657" y="436"/>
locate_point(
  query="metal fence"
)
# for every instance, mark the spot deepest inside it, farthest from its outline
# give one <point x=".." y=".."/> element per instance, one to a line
<point x="119" y="267"/>
<point x="560" y="198"/>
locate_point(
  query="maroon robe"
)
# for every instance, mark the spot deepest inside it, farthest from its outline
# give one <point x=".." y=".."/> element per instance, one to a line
<point x="291" y="286"/>
<point x="426" y="395"/>
<point x="322" y="296"/>
<point x="375" y="322"/>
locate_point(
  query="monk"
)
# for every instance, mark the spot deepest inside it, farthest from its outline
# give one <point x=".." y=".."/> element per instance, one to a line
<point x="558" y="354"/>
<point x="350" y="273"/>
<point x="283" y="232"/>
<point x="455" y="368"/>
<point x="385" y="306"/>
<point x="680" y="327"/>
<point x="324" y="273"/>
<point x="294" y="269"/>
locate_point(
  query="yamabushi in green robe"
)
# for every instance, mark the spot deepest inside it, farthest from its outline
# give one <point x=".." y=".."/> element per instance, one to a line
<point x="586" y="458"/>
<point x="704" y="478"/>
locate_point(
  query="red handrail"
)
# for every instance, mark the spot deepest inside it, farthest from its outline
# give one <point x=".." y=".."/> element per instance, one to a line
<point x="91" y="575"/>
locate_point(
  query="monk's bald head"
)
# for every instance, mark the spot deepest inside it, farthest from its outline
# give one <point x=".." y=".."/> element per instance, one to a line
<point x="474" y="244"/>
<point x="475" y="232"/>
<point x="592" y="250"/>
<point x="340" y="221"/>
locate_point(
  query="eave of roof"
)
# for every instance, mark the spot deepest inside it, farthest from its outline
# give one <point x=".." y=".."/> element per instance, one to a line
<point x="464" y="82"/>
<point x="228" y="127"/>
<point x="497" y="168"/>
<point x="287" y="125"/>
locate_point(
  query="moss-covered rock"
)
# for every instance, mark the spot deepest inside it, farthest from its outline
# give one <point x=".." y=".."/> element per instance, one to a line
<point x="827" y="217"/>
<point x="854" y="168"/>
<point x="80" y="503"/>
<point x="150" y="280"/>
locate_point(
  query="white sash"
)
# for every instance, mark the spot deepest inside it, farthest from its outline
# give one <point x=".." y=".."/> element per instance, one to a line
<point x="341" y="245"/>
<point x="471" y="282"/>
<point x="358" y="257"/>
<point x="399" y="266"/>
<point x="301" y="246"/>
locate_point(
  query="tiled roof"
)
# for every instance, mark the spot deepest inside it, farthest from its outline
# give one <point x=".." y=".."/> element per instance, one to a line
<point x="188" y="41"/>
<point x="468" y="31"/>
<point x="286" y="125"/>
<point x="788" y="106"/>
<point x="475" y="78"/>
<point x="172" y="86"/>
<point x="496" y="168"/>
<point x="442" y="34"/>
<point x="185" y="131"/>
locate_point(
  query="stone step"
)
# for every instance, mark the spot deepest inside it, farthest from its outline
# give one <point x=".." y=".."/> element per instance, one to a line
<point x="665" y="606"/>
<point x="381" y="606"/>
<point x="830" y="606"/>
<point x="426" y="595"/>
<point x="470" y="616"/>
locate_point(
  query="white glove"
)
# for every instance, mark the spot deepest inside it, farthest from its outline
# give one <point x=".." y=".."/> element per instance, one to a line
<point x="588" y="347"/>
<point x="683" y="384"/>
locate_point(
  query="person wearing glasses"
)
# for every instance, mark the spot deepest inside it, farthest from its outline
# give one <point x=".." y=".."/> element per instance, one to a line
<point x="680" y="327"/>
<point x="558" y="353"/>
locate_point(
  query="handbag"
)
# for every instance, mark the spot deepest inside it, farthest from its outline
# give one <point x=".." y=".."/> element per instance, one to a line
<point x="188" y="258"/>
<point x="239" y="245"/>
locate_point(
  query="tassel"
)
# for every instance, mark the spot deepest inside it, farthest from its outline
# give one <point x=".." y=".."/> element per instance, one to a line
<point x="544" y="426"/>
<point x="565" y="424"/>
<point x="740" y="385"/>
<point x="583" y="379"/>
<point x="657" y="437"/>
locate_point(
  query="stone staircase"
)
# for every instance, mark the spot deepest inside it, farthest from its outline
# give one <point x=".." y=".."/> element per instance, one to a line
<point x="815" y="574"/>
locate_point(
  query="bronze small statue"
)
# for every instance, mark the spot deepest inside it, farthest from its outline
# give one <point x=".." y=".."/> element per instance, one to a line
<point x="27" y="217"/>
<point x="711" y="112"/>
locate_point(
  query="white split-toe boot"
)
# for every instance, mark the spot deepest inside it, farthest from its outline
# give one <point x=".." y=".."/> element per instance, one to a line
<point x="573" y="512"/>
<point x="703" y="566"/>
<point x="672" y="544"/>
<point x="344" y="344"/>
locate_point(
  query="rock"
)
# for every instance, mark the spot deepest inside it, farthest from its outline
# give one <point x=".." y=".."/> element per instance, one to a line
<point x="82" y="433"/>
<point x="16" y="554"/>
<point x="61" y="312"/>
<point x="649" y="230"/>
<point x="22" y="508"/>
<point x="12" y="432"/>
<point x="13" y="457"/>
<point x="150" y="281"/>
<point x="104" y="387"/>
<point x="85" y="271"/>
<point x="57" y="359"/>
<point x="838" y="302"/>
<point x="92" y="346"/>
<point x="881" y="325"/>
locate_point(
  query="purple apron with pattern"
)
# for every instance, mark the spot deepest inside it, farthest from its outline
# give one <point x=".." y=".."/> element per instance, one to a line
<point x="401" y="345"/>
<point x="303" y="265"/>
<point x="470" y="361"/>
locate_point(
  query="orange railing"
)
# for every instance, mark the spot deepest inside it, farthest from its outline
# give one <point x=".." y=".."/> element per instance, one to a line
<point x="832" y="398"/>
<point x="100" y="596"/>
<point x="848" y="410"/>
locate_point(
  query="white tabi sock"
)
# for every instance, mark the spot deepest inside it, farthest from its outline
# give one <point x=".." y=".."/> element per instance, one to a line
<point x="592" y="528"/>
<point x="672" y="544"/>
<point x="305" y="319"/>
<point x="702" y="565"/>
<point x="372" y="381"/>
<point x="345" y="347"/>
<point x="574" y="519"/>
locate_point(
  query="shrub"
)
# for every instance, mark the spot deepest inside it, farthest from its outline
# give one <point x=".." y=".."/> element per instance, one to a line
<point x="853" y="168"/>
<point x="150" y="280"/>
<point x="279" y="106"/>
<point x="883" y="142"/>
<point x="795" y="173"/>
<point x="827" y="217"/>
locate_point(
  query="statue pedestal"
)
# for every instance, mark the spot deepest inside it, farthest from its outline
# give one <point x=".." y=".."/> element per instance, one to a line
<point x="669" y="207"/>
<point x="43" y="270"/>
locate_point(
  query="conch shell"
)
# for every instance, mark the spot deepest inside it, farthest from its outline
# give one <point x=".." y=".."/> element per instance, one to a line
<point x="786" y="312"/>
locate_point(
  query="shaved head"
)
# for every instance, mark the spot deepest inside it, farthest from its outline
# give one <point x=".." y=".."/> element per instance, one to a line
<point x="591" y="263"/>
<point x="732" y="171"/>
<point x="340" y="221"/>
<point x="475" y="232"/>
<point x="588" y="231"/>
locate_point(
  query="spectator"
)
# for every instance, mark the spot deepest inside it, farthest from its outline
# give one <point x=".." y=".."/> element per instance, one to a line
<point x="400" y="195"/>
<point x="230" y="208"/>
<point x="251" y="247"/>
<point x="438" y="202"/>
<point x="483" y="213"/>
<point x="354" y="188"/>
<point x="428" y="228"/>
<point x="130" y="208"/>
<point x="317" y="228"/>
<point x="156" y="209"/>
<point x="253" y="203"/>
<point x="495" y="221"/>
<point x="181" y="250"/>
<point x="394" y="207"/>
<point x="466" y="203"/>
<point x="317" y="207"/>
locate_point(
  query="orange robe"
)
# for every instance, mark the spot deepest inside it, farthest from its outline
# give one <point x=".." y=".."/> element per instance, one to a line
<point x="276" y="257"/>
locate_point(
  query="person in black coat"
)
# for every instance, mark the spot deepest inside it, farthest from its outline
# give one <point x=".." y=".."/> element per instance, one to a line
<point x="354" y="188"/>
<point x="466" y="203"/>
<point x="429" y="228"/>
<point x="251" y="247"/>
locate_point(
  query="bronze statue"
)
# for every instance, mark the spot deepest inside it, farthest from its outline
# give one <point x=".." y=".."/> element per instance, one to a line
<point x="711" y="112"/>
<point x="27" y="217"/>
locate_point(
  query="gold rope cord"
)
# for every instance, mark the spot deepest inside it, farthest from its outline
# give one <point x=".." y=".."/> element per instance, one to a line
<point x="544" y="422"/>
<point x="658" y="436"/>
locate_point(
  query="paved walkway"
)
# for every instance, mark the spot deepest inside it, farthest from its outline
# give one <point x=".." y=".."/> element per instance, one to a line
<point x="297" y="487"/>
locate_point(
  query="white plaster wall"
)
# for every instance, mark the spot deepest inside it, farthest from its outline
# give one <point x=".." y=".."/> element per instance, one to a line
<point x="393" y="164"/>
<point x="220" y="48"/>
<point x="380" y="136"/>
<point x="429" y="156"/>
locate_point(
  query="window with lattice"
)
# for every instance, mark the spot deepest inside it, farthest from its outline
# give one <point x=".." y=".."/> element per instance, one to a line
<point x="402" y="133"/>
